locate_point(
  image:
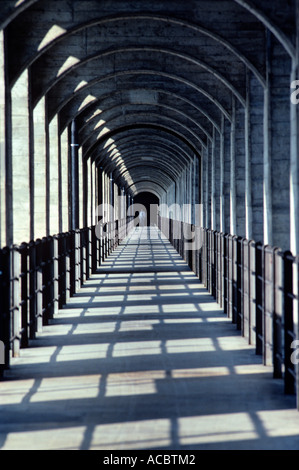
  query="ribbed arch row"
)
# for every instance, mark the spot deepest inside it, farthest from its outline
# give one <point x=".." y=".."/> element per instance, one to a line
<point x="191" y="74"/>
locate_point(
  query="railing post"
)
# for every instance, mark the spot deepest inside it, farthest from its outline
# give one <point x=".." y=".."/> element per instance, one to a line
<point x="15" y="301"/>
<point x="225" y="274"/>
<point x="238" y="282"/>
<point x="259" y="297"/>
<point x="278" y="314"/>
<point x="90" y="251"/>
<point x="23" y="250"/>
<point x="39" y="286"/>
<point x="297" y="332"/>
<point x="67" y="247"/>
<point x="62" y="270"/>
<point x="94" y="256"/>
<point x="55" y="275"/>
<point x="72" y="258"/>
<point x="215" y="265"/>
<point x="209" y="260"/>
<point x="289" y="334"/>
<point x="230" y="277"/>
<point x="77" y="259"/>
<point x="246" y="288"/>
<point x="83" y="255"/>
<point x="268" y="317"/>
<point x="32" y="290"/>
<point x="252" y="293"/>
<point x="48" y="278"/>
<point x="5" y="293"/>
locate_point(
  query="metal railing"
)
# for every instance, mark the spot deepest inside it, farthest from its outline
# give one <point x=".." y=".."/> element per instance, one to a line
<point x="256" y="285"/>
<point x="39" y="277"/>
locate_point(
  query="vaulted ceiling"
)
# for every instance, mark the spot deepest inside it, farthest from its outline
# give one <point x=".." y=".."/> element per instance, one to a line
<point x="147" y="81"/>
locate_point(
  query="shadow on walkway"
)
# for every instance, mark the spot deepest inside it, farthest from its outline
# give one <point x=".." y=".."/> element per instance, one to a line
<point x="143" y="358"/>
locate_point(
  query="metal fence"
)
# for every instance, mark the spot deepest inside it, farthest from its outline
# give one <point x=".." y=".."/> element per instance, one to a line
<point x="257" y="286"/>
<point x="39" y="277"/>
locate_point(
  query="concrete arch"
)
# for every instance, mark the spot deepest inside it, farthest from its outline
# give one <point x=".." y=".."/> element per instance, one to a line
<point x="144" y="148"/>
<point x="144" y="120"/>
<point x="158" y="50"/>
<point x="75" y="107"/>
<point x="143" y="96"/>
<point x="103" y="140"/>
<point x="149" y="137"/>
<point x="65" y="89"/>
<point x="134" y="160"/>
<point x="118" y="110"/>
<point x="73" y="29"/>
<point x="155" y="188"/>
<point x="270" y="24"/>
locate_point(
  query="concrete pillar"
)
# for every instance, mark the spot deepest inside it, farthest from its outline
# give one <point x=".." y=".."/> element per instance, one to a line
<point x="233" y="197"/>
<point x="294" y="165"/>
<point x="217" y="145"/>
<point x="206" y="187"/>
<point x="89" y="192"/>
<point x="64" y="195"/>
<point x="212" y="158"/>
<point x="92" y="193"/>
<point x="53" y="177"/>
<point x="74" y="176"/>
<point x="248" y="176"/>
<point x="2" y="145"/>
<point x="196" y="216"/>
<point x="255" y="110"/>
<point x="277" y="147"/>
<point x="294" y="187"/>
<point x="221" y="179"/>
<point x="240" y="170"/>
<point x="191" y="200"/>
<point x="21" y="204"/>
<point x="80" y="176"/>
<point x="226" y="175"/>
<point x="40" y="172"/>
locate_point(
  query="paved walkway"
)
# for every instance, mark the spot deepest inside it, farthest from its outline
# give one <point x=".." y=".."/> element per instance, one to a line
<point x="143" y="358"/>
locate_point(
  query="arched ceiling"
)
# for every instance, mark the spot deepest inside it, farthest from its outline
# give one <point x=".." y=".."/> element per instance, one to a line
<point x="146" y="81"/>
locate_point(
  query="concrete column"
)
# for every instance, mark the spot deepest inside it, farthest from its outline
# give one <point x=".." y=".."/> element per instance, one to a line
<point x="255" y="102"/>
<point x="74" y="176"/>
<point x="2" y="145"/>
<point x="92" y="193"/>
<point x="277" y="147"/>
<point x="89" y="192"/>
<point x="206" y="183"/>
<point x="221" y="179"/>
<point x="226" y="175"/>
<point x="267" y="190"/>
<point x="80" y="184"/>
<point x="40" y="171"/>
<point x="240" y="170"/>
<point x="64" y="195"/>
<point x="294" y="188"/>
<point x="53" y="177"/>
<point x="196" y="217"/>
<point x="248" y="176"/>
<point x="213" y="181"/>
<point x="217" y="145"/>
<point x="233" y="202"/>
<point x="294" y="167"/>
<point x="21" y="207"/>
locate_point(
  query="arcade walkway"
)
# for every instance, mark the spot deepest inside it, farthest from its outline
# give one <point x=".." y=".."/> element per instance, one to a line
<point x="143" y="358"/>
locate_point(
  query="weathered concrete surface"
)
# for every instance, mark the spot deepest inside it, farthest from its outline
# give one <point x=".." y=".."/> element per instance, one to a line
<point x="143" y="358"/>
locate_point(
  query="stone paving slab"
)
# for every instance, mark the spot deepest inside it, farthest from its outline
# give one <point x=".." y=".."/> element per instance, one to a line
<point x="143" y="358"/>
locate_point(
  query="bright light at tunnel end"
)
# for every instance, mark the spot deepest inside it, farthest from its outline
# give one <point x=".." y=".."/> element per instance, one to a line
<point x="139" y="216"/>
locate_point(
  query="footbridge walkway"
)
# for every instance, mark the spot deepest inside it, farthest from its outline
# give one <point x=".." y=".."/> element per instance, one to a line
<point x="142" y="357"/>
